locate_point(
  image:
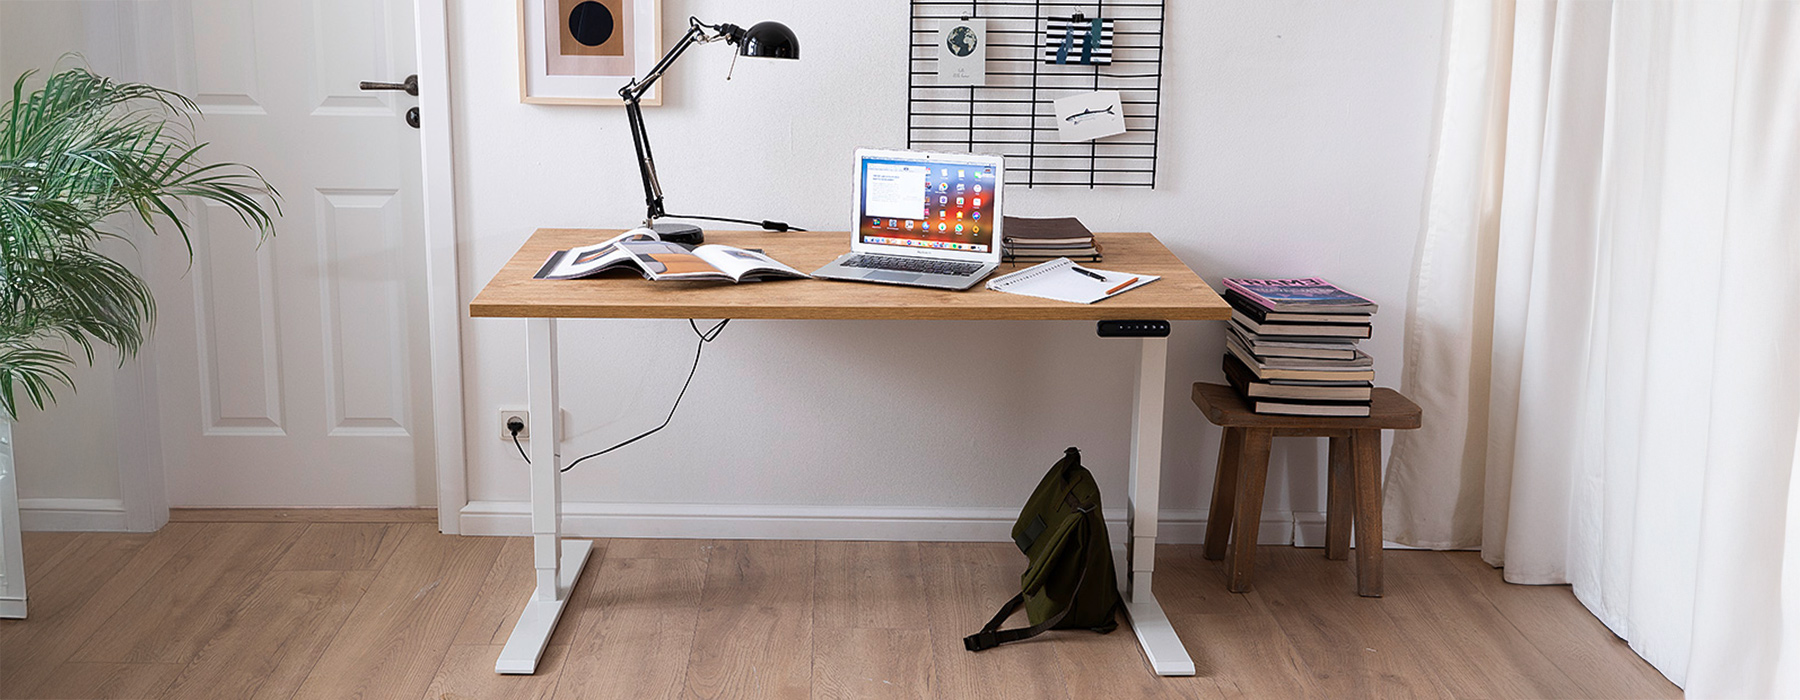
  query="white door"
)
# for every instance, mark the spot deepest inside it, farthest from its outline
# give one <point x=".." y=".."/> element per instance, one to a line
<point x="297" y="374"/>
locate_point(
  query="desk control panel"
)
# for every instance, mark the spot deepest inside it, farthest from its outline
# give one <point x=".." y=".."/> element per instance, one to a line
<point x="1133" y="329"/>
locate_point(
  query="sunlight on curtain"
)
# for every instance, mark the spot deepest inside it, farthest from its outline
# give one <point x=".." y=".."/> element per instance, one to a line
<point x="1633" y="425"/>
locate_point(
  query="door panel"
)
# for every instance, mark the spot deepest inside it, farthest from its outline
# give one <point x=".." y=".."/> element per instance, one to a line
<point x="363" y="292"/>
<point x="239" y="352"/>
<point x="303" y="376"/>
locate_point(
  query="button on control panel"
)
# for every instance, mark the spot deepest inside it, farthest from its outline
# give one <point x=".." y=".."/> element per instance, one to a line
<point x="1134" y="329"/>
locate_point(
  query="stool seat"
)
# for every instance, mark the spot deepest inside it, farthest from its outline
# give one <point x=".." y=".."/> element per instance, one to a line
<point x="1353" y="481"/>
<point x="1388" y="410"/>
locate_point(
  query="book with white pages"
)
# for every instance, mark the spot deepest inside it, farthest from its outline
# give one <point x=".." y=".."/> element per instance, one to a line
<point x="1063" y="280"/>
<point x="641" y="251"/>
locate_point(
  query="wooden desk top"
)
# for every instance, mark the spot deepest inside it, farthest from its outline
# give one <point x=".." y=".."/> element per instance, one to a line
<point x="1179" y="295"/>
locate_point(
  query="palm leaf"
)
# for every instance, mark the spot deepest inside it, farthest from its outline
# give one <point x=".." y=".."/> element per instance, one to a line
<point x="74" y="153"/>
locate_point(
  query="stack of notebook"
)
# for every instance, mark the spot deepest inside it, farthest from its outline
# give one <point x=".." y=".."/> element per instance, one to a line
<point x="1291" y="348"/>
<point x="1037" y="240"/>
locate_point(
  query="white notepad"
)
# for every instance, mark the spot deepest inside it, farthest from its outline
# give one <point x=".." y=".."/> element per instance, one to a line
<point x="1060" y="280"/>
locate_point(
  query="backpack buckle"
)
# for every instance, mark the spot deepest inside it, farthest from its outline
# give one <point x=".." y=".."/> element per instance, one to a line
<point x="981" y="640"/>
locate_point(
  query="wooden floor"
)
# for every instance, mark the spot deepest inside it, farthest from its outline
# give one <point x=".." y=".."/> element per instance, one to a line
<point x="293" y="609"/>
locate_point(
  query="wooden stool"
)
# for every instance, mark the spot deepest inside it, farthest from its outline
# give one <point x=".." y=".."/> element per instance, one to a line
<point x="1353" y="483"/>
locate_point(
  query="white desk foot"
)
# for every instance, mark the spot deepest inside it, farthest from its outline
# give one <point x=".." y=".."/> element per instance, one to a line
<point x="1161" y="646"/>
<point x="538" y="621"/>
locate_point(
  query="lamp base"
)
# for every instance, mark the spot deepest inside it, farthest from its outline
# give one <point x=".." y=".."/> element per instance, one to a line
<point x="685" y="234"/>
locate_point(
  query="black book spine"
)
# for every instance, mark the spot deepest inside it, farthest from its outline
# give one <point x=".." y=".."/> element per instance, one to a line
<point x="1250" y="308"/>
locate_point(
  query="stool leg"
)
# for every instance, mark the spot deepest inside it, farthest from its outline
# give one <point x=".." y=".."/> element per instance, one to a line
<point x="1367" y="448"/>
<point x="1218" y="520"/>
<point x="1339" y="500"/>
<point x="1253" y="472"/>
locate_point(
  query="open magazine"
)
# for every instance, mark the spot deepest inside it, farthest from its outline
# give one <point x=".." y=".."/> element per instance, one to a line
<point x="641" y="251"/>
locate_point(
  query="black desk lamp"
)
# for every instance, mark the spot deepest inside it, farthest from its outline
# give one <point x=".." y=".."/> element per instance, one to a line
<point x="762" y="40"/>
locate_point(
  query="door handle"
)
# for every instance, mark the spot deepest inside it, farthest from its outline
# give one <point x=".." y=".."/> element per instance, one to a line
<point x="410" y="85"/>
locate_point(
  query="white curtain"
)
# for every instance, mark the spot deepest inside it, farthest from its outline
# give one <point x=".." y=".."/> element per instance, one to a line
<point x="1605" y="330"/>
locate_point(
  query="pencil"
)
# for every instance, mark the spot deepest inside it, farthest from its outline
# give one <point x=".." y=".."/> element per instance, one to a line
<point x="1127" y="283"/>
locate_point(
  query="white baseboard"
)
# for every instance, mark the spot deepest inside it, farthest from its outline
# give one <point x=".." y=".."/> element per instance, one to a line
<point x="72" y="515"/>
<point x="889" y="523"/>
<point x="1309" y="530"/>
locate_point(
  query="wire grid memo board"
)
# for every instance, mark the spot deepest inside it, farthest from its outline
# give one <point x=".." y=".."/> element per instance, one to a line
<point x="1014" y="113"/>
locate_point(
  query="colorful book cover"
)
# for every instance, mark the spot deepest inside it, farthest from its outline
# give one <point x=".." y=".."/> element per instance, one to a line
<point x="1309" y="294"/>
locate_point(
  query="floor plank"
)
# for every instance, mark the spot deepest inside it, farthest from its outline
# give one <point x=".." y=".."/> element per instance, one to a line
<point x="502" y="596"/>
<point x="1112" y="664"/>
<point x="41" y="550"/>
<point x="1468" y="643"/>
<point x="303" y="515"/>
<point x="1187" y="584"/>
<point x="875" y="663"/>
<point x="104" y="680"/>
<point x="754" y="634"/>
<point x="965" y="584"/>
<point x="645" y="548"/>
<point x="67" y="578"/>
<point x="1350" y="645"/>
<point x="41" y="648"/>
<point x="382" y="609"/>
<point x="467" y="673"/>
<point x="636" y="640"/>
<point x="341" y="547"/>
<point x="1603" y="665"/>
<point x="242" y="660"/>
<point x="869" y="585"/>
<point x="1245" y="656"/>
<point x="170" y="622"/>
<point x="396" y="637"/>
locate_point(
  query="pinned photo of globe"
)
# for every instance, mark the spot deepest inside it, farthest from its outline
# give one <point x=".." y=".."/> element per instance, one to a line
<point x="961" y="52"/>
<point x="962" y="41"/>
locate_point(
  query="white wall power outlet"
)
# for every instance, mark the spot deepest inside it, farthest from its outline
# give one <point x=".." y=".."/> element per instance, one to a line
<point x="507" y="415"/>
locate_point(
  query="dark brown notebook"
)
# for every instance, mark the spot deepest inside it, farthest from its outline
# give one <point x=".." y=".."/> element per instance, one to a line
<point x="1066" y="227"/>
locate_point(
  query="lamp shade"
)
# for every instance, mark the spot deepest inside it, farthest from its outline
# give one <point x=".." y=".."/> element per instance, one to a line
<point x="769" y="40"/>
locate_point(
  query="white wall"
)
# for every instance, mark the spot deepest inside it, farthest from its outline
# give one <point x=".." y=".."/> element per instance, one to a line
<point x="1294" y="142"/>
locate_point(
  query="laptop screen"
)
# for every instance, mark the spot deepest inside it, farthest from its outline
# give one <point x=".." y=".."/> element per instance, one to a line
<point x="926" y="203"/>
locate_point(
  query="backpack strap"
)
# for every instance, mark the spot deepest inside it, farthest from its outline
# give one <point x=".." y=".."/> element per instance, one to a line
<point x="992" y="636"/>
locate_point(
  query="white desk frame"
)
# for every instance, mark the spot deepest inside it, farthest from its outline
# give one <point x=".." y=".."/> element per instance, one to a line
<point x="559" y="563"/>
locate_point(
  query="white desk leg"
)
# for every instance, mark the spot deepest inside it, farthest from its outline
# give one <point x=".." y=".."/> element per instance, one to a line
<point x="558" y="563"/>
<point x="1154" y="632"/>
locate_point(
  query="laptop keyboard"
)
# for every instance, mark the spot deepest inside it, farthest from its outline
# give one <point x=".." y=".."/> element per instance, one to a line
<point x="905" y="264"/>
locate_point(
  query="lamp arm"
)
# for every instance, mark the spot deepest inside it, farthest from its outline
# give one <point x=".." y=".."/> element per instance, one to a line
<point x="633" y="94"/>
<point x="653" y="199"/>
<point x="696" y="34"/>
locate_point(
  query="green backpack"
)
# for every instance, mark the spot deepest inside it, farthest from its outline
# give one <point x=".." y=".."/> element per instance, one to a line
<point x="1069" y="582"/>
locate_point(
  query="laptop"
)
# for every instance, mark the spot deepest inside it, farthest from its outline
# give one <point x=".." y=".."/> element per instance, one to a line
<point x="923" y="219"/>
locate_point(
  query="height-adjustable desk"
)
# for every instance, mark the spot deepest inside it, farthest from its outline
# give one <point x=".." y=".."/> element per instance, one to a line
<point x="1179" y="295"/>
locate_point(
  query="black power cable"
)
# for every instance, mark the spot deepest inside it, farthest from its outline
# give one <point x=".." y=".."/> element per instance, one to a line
<point x="766" y="225"/>
<point x="707" y="336"/>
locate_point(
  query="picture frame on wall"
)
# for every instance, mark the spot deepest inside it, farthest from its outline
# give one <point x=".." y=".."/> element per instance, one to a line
<point x="580" y="52"/>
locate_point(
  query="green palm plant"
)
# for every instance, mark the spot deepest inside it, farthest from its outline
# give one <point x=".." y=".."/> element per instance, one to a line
<point x="79" y="157"/>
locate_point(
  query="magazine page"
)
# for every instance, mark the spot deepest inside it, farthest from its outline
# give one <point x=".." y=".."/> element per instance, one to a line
<point x="745" y="264"/>
<point x="662" y="260"/>
<point x="593" y="259"/>
<point x="1308" y="294"/>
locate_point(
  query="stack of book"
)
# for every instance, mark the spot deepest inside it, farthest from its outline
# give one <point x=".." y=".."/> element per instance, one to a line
<point x="1291" y="347"/>
<point x="1036" y="240"/>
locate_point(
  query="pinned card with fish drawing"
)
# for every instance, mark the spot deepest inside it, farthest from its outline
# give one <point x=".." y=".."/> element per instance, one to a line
<point x="1090" y="115"/>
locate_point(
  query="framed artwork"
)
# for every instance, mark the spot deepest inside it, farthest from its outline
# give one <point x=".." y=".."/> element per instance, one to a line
<point x="580" y="52"/>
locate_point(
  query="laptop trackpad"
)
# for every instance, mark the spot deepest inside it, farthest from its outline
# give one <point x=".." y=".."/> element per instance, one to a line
<point x="885" y="276"/>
